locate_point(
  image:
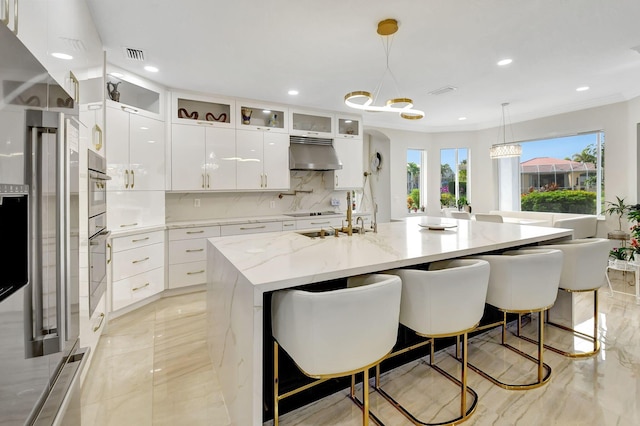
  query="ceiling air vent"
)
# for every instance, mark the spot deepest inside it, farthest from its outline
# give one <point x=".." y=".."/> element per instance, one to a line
<point x="443" y="90"/>
<point x="134" y="54"/>
<point x="74" y="44"/>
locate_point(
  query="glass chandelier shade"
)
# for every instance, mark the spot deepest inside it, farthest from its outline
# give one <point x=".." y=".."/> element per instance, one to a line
<point x="504" y="149"/>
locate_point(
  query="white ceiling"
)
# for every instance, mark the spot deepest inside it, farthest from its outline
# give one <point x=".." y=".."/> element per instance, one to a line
<point x="325" y="49"/>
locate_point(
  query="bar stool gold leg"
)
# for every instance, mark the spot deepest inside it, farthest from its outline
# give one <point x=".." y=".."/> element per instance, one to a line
<point x="365" y="398"/>
<point x="275" y="383"/>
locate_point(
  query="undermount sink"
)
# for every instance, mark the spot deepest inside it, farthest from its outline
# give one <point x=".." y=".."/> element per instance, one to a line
<point x="317" y="234"/>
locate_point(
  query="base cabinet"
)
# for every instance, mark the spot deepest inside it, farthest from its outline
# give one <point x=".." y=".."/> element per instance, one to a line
<point x="137" y="268"/>
<point x="188" y="255"/>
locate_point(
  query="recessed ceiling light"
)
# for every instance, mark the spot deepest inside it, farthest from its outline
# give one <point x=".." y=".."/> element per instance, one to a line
<point x="62" y="56"/>
<point x="348" y="121"/>
<point x="504" y="62"/>
<point x="266" y="111"/>
<point x="462" y="118"/>
<point x="116" y="74"/>
<point x="293" y="92"/>
<point x="582" y="88"/>
<point x="150" y="68"/>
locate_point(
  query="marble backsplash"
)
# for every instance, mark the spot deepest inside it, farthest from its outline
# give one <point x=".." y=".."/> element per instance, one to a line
<point x="181" y="206"/>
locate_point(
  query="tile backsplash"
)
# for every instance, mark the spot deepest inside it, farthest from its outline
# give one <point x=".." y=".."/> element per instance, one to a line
<point x="181" y="206"/>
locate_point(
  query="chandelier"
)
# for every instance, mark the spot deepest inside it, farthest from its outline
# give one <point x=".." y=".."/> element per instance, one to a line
<point x="504" y="149"/>
<point x="365" y="101"/>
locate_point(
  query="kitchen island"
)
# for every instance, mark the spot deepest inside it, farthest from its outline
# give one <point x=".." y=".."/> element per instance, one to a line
<point x="243" y="269"/>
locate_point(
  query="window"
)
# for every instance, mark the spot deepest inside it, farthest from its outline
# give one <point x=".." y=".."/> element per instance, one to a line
<point x="454" y="174"/>
<point x="563" y="174"/>
<point x="416" y="181"/>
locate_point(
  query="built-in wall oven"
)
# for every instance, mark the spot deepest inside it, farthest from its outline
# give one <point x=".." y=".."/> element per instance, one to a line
<point x="99" y="253"/>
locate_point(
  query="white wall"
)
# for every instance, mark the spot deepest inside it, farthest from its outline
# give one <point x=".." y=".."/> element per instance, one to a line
<point x="621" y="155"/>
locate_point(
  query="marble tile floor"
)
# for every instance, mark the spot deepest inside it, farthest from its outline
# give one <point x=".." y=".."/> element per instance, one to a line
<point x="152" y="367"/>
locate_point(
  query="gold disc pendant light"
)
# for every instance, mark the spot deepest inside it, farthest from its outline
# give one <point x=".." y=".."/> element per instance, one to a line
<point x="364" y="100"/>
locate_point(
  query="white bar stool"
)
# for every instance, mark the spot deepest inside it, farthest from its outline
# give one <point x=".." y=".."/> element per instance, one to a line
<point x="461" y="215"/>
<point x="584" y="269"/>
<point x="523" y="281"/>
<point x="447" y="300"/>
<point x="336" y="333"/>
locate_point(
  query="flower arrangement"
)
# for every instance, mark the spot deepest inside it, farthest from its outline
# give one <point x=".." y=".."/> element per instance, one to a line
<point x="633" y="213"/>
<point x="618" y="253"/>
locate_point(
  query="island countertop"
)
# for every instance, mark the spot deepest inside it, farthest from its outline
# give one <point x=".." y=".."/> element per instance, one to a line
<point x="275" y="261"/>
<point x="243" y="269"/>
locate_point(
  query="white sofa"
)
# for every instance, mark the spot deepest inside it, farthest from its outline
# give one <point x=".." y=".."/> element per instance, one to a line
<point x="583" y="225"/>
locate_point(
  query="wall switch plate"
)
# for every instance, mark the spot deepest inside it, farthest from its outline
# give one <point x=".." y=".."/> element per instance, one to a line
<point x="335" y="202"/>
<point x="196" y="202"/>
<point x="272" y="204"/>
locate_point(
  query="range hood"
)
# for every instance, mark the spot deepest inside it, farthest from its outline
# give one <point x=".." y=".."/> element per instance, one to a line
<point x="307" y="153"/>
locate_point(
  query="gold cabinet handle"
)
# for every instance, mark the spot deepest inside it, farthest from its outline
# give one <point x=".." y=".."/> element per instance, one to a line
<point x="140" y="260"/>
<point x="266" y="181"/>
<point x="195" y="232"/>
<point x="196" y="272"/>
<point x="133" y="179"/>
<point x="110" y="253"/>
<point x="336" y="175"/>
<point x="321" y="223"/>
<point x="128" y="224"/>
<point x="97" y="327"/>
<point x="76" y="83"/>
<point x="140" y="239"/>
<point x="15" y="16"/>
<point x="203" y="180"/>
<point x="126" y="175"/>
<point x="193" y="250"/>
<point x="287" y="224"/>
<point x="208" y="181"/>
<point x="141" y="287"/>
<point x="253" y="227"/>
<point x="129" y="109"/>
<point x="98" y="130"/>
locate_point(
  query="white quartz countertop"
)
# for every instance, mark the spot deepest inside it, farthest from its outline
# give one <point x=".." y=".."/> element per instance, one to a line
<point x="273" y="261"/>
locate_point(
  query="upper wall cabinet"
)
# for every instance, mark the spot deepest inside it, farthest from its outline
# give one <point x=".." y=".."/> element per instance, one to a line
<point x="202" y="110"/>
<point x="133" y="94"/>
<point x="61" y="35"/>
<point x="262" y="117"/>
<point x="311" y="123"/>
<point x="348" y="126"/>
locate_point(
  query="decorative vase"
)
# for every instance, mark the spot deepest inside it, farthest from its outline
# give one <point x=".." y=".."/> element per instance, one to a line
<point x="246" y="115"/>
<point x="273" y="120"/>
<point x="112" y="88"/>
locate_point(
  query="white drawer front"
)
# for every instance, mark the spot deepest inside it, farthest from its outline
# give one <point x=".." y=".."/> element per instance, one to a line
<point x="288" y="225"/>
<point x="137" y="240"/>
<point x="250" y="228"/>
<point x="136" y="288"/>
<point x="191" y="233"/>
<point x="324" y="222"/>
<point x="187" y="251"/>
<point x="136" y="261"/>
<point x="186" y="274"/>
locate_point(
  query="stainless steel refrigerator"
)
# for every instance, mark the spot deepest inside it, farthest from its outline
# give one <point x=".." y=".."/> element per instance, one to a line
<point x="40" y="361"/>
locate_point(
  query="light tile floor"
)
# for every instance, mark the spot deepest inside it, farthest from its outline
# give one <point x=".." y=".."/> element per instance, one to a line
<point x="152" y="367"/>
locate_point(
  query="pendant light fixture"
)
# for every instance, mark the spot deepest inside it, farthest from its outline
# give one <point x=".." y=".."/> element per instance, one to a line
<point x="504" y="149"/>
<point x="365" y="101"/>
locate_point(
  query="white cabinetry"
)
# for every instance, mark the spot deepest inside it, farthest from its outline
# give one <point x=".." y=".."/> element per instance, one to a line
<point x="188" y="255"/>
<point x="192" y="109"/>
<point x="263" y="160"/>
<point x="311" y="123"/>
<point x="202" y="158"/>
<point x="262" y="117"/>
<point x="348" y="126"/>
<point x="137" y="268"/>
<point x="250" y="228"/>
<point x="135" y="160"/>
<point x="350" y="155"/>
<point x="320" y="222"/>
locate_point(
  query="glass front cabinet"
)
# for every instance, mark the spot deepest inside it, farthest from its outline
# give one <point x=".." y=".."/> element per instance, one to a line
<point x="312" y="123"/>
<point x="348" y="127"/>
<point x="202" y="110"/>
<point x="262" y="117"/>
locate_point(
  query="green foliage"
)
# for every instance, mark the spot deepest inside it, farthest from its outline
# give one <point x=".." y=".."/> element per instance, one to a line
<point x="415" y="196"/>
<point x="568" y="201"/>
<point x="447" y="199"/>
<point x="461" y="185"/>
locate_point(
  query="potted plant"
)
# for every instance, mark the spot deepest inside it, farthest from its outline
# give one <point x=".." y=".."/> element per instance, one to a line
<point x="619" y="208"/>
<point x="634" y="216"/>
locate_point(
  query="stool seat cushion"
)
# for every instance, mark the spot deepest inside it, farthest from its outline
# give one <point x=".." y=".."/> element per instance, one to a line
<point x="585" y="263"/>
<point x="338" y="331"/>
<point x="445" y="300"/>
<point x="524" y="280"/>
